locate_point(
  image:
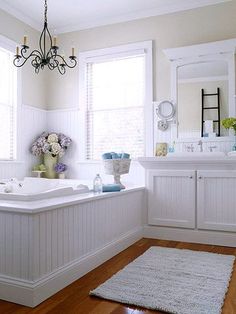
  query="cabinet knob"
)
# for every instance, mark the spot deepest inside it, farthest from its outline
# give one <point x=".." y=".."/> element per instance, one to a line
<point x="200" y="178"/>
<point x="190" y="177"/>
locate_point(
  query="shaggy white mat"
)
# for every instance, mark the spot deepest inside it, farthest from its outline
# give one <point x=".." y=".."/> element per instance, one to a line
<point x="172" y="280"/>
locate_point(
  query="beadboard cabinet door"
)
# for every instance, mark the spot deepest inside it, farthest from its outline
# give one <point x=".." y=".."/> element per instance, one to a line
<point x="171" y="198"/>
<point x="216" y="199"/>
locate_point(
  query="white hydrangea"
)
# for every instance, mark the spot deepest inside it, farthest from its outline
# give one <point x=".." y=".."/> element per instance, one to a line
<point x="55" y="148"/>
<point x="52" y="138"/>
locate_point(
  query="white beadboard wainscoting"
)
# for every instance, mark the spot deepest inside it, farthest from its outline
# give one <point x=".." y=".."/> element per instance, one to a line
<point x="43" y="251"/>
<point x="30" y="123"/>
<point x="69" y="122"/>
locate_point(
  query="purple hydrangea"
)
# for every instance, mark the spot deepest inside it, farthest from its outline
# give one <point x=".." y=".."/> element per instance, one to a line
<point x="41" y="141"/>
<point x="60" y="167"/>
<point x="46" y="148"/>
<point x="64" y="140"/>
<point x="45" y="145"/>
<point x="44" y="134"/>
<point x="36" y="149"/>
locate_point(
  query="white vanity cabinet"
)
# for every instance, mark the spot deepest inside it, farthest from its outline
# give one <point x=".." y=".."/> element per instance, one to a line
<point x="191" y="199"/>
<point x="171" y="198"/>
<point x="216" y="200"/>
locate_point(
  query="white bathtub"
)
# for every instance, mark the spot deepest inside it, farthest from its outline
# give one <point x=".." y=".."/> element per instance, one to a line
<point x="31" y="189"/>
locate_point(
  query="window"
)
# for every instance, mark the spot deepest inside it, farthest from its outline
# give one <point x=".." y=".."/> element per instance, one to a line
<point x="8" y="84"/>
<point x="115" y="100"/>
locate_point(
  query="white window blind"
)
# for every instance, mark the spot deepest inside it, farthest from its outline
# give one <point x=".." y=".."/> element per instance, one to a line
<point x="115" y="106"/>
<point x="7" y="106"/>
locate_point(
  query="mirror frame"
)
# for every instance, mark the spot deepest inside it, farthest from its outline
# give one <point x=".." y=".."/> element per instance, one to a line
<point x="210" y="52"/>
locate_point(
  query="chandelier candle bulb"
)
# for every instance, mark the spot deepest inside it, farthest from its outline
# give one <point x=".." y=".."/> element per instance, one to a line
<point x="54" y="41"/>
<point x="73" y="51"/>
<point x="25" y="40"/>
<point x="17" y="51"/>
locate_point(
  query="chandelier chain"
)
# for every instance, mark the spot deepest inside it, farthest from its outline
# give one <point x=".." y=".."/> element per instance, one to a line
<point x="45" y="11"/>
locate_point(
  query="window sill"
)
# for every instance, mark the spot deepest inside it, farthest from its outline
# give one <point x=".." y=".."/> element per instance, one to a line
<point x="97" y="162"/>
<point x="11" y="162"/>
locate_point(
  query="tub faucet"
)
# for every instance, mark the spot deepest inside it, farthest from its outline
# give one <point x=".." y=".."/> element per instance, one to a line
<point x="211" y="148"/>
<point x="200" y="144"/>
<point x="15" y="181"/>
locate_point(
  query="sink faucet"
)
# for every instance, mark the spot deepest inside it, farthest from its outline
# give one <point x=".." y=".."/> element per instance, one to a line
<point x="211" y="148"/>
<point x="200" y="144"/>
<point x="190" y="148"/>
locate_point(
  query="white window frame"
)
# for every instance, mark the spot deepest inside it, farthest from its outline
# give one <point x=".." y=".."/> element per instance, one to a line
<point x="10" y="45"/>
<point x="104" y="54"/>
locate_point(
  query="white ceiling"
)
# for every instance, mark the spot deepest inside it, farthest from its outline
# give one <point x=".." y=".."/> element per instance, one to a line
<point x="70" y="15"/>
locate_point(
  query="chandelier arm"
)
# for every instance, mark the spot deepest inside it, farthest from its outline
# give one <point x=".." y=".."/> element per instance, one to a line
<point x="40" y="41"/>
<point x="17" y="59"/>
<point x="36" y="62"/>
<point x="61" y="69"/>
<point x="63" y="61"/>
<point x="53" y="65"/>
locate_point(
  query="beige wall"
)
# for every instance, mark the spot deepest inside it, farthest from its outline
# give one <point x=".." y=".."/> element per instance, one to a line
<point x="196" y="26"/>
<point x="33" y="85"/>
<point x="51" y="90"/>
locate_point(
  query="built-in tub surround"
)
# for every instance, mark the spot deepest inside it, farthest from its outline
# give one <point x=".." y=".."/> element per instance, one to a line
<point x="47" y="244"/>
<point x="191" y="198"/>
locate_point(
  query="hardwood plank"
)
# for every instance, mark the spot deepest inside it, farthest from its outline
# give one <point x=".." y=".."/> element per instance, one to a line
<point x="75" y="298"/>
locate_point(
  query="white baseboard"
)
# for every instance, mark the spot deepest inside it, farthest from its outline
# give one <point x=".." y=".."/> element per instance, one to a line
<point x="33" y="293"/>
<point x="187" y="235"/>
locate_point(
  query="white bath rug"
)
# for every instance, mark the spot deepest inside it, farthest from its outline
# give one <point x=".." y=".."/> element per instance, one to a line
<point x="172" y="280"/>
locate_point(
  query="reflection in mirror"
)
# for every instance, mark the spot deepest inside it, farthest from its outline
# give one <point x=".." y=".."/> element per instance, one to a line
<point x="196" y="79"/>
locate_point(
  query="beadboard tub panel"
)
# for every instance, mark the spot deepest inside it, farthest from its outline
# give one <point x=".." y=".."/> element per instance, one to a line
<point x="37" y="250"/>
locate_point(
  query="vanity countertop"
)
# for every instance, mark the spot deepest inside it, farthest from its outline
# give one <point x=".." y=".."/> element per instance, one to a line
<point x="189" y="162"/>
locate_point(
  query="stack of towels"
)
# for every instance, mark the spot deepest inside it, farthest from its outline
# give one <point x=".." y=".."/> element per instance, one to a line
<point x="114" y="155"/>
<point x="111" y="187"/>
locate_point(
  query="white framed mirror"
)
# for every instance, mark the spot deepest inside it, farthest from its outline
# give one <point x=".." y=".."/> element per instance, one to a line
<point x="196" y="72"/>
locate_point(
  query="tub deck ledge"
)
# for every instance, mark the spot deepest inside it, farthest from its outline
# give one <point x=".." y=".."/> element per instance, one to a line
<point x="34" y="207"/>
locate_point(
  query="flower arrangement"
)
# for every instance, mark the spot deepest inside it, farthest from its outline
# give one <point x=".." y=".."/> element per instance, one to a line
<point x="229" y="123"/>
<point x="51" y="143"/>
<point x="60" y="167"/>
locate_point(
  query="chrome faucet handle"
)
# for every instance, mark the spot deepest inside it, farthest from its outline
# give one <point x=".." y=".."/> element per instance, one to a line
<point x="212" y="147"/>
<point x="200" y="144"/>
<point x="189" y="148"/>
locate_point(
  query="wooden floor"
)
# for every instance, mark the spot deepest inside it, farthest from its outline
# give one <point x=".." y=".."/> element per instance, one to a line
<point x="75" y="299"/>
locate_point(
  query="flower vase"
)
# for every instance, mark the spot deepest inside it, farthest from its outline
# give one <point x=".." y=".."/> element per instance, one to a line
<point x="50" y="162"/>
<point x="61" y="175"/>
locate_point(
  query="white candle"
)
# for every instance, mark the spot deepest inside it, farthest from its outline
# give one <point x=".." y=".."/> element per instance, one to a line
<point x="25" y="40"/>
<point x="17" y="51"/>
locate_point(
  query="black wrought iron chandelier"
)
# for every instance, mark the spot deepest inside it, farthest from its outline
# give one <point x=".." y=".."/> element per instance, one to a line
<point x="47" y="55"/>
